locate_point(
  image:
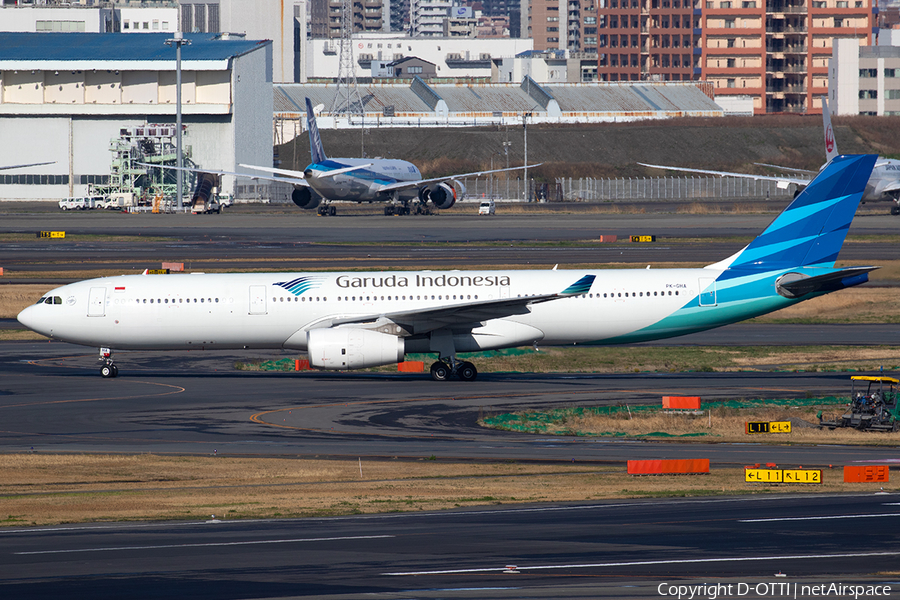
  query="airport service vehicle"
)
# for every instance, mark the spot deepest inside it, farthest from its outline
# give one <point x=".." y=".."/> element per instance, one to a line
<point x="873" y="405"/>
<point x="487" y="208"/>
<point x="80" y="203"/>
<point x="883" y="184"/>
<point x="355" y="320"/>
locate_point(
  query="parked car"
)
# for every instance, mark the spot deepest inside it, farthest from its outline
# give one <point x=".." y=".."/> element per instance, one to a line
<point x="486" y="208"/>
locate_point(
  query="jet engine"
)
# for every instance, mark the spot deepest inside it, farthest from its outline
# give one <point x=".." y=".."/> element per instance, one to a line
<point x="345" y="348"/>
<point x="305" y="198"/>
<point x="442" y="195"/>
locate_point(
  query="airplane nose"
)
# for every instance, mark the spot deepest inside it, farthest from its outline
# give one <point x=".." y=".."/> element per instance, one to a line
<point x="28" y="318"/>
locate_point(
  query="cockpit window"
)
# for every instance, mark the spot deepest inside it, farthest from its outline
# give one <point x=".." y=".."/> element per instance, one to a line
<point x="50" y="300"/>
<point x="57" y="300"/>
<point x="41" y="301"/>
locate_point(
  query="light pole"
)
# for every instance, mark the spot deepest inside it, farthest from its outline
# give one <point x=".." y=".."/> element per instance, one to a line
<point x="506" y="146"/>
<point x="178" y="41"/>
<point x="525" y="127"/>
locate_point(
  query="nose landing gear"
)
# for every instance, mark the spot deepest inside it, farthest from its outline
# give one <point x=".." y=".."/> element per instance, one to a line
<point x="108" y="369"/>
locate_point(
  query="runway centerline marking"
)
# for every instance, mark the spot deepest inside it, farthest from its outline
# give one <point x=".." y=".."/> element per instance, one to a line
<point x="176" y="389"/>
<point x="639" y="563"/>
<point x="207" y="545"/>
<point x="825" y="518"/>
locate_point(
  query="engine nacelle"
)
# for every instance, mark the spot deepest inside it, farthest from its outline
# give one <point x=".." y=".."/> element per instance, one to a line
<point x="305" y="198"/>
<point x="443" y="195"/>
<point x="345" y="348"/>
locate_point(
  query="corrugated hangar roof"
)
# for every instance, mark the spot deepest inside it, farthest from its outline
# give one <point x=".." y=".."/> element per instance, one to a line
<point x="81" y="47"/>
<point x="638" y="99"/>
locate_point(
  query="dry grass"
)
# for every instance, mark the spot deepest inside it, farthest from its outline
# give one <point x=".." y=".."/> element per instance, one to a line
<point x="13" y="298"/>
<point x="720" y="424"/>
<point x="856" y="305"/>
<point x="51" y="489"/>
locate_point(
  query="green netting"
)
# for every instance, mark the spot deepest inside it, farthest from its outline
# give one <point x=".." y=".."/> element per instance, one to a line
<point x="542" y="422"/>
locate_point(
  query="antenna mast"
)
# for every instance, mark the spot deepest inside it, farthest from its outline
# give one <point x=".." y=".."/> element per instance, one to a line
<point x="346" y="97"/>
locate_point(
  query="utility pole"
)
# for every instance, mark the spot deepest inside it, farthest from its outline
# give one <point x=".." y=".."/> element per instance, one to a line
<point x="525" y="127"/>
<point x="178" y="41"/>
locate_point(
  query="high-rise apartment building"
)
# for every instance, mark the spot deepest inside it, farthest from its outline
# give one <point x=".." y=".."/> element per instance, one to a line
<point x="777" y="51"/>
<point x="563" y="24"/>
<point x="646" y="40"/>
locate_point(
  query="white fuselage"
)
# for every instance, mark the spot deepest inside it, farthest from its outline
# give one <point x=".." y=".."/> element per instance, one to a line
<point x="186" y="311"/>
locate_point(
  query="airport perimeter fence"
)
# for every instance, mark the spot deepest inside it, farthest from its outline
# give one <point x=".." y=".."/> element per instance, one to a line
<point x="629" y="188"/>
<point x="580" y="190"/>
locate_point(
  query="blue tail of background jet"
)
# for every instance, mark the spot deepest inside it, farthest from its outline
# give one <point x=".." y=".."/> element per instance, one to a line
<point x="316" y="150"/>
<point x="811" y="231"/>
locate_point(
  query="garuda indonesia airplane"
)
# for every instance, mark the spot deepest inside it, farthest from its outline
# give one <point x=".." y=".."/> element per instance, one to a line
<point x="883" y="184"/>
<point x="395" y="182"/>
<point x="356" y="320"/>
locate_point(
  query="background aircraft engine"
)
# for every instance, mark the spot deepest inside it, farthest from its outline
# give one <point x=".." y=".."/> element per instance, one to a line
<point x="344" y="348"/>
<point x="442" y="195"/>
<point x="305" y="198"/>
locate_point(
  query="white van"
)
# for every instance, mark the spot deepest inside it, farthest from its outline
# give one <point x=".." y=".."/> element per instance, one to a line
<point x="486" y="208"/>
<point x="80" y="203"/>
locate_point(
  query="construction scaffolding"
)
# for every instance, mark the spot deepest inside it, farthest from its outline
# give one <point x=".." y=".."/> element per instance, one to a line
<point x="133" y="185"/>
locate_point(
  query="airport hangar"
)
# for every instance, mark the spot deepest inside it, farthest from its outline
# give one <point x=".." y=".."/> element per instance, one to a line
<point x="65" y="96"/>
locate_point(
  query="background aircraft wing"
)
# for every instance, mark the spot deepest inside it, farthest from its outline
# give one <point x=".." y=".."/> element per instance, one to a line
<point x="27" y="165"/>
<point x="291" y="180"/>
<point x="425" y="320"/>
<point x="783" y="182"/>
<point x="804" y="171"/>
<point x="402" y="185"/>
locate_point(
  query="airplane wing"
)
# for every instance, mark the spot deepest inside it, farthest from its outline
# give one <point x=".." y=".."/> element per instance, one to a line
<point x="400" y="185"/>
<point x="27" y="165"/>
<point x="805" y="171"/>
<point x="290" y="180"/>
<point x="783" y="182"/>
<point x="425" y="320"/>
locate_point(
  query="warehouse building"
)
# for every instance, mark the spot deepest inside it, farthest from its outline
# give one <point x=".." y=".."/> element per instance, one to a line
<point x="65" y="96"/>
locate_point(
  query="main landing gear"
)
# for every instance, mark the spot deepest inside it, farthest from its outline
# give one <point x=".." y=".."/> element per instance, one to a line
<point x="108" y="369"/>
<point x="326" y="210"/>
<point x="442" y="371"/>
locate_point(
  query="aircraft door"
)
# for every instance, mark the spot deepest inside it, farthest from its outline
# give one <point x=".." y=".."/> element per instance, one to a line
<point x="97" y="302"/>
<point x="707" y="291"/>
<point x="257" y="299"/>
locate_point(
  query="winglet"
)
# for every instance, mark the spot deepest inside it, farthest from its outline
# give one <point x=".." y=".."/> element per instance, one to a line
<point x="582" y="286"/>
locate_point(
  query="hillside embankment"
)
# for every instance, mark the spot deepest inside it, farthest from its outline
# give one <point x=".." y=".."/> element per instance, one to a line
<point x="613" y="149"/>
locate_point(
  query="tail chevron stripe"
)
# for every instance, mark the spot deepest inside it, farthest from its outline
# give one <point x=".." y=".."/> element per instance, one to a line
<point x="811" y="231"/>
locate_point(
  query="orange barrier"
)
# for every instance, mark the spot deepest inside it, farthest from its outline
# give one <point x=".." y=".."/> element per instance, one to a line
<point x="690" y="402"/>
<point x="301" y="364"/>
<point x="1" y="271"/>
<point x="172" y="266"/>
<point x="668" y="466"/>
<point x="608" y="239"/>
<point x="867" y="474"/>
<point x="411" y="366"/>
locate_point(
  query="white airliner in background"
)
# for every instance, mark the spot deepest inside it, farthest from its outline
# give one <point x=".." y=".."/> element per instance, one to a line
<point x="356" y="320"/>
<point x="883" y="184"/>
<point x="395" y="182"/>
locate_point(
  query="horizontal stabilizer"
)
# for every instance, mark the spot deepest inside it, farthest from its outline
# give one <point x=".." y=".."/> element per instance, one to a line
<point x="797" y="285"/>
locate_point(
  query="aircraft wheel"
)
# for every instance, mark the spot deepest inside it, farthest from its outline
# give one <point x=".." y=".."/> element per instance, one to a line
<point x="115" y="371"/>
<point x="107" y="372"/>
<point x="440" y="371"/>
<point x="332" y="211"/>
<point x="895" y="210"/>
<point x="467" y="371"/>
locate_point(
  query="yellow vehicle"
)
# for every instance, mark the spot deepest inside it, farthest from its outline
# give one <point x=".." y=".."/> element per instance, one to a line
<point x="873" y="405"/>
